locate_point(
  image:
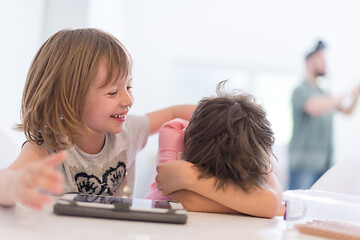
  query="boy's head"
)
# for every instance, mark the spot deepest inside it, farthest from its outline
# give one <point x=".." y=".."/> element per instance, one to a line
<point x="229" y="137"/>
<point x="59" y="79"/>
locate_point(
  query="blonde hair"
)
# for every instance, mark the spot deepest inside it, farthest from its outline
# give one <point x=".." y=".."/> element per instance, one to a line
<point x="59" y="79"/>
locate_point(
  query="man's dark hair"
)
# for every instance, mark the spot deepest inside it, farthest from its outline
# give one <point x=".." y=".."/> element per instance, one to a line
<point x="230" y="138"/>
<point x="319" y="46"/>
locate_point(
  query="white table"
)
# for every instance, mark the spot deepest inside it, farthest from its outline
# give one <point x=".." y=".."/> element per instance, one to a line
<point x="22" y="223"/>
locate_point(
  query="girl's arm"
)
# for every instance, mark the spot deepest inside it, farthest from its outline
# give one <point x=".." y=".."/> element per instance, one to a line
<point x="159" y="117"/>
<point x="261" y="202"/>
<point x="34" y="169"/>
<point x="171" y="142"/>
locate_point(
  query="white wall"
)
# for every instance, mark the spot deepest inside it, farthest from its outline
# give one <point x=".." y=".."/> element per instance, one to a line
<point x="182" y="48"/>
<point x="187" y="46"/>
<point x="60" y="14"/>
<point x="20" y="24"/>
<point x="25" y="25"/>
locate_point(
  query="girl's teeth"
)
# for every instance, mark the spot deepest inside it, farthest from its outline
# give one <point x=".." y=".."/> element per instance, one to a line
<point x="118" y="116"/>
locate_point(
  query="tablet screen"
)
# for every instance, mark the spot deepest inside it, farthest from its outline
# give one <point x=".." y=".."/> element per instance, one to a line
<point x="102" y="206"/>
<point x="131" y="202"/>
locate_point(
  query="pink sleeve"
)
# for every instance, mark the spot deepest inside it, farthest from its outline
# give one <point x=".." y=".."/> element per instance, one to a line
<point x="171" y="142"/>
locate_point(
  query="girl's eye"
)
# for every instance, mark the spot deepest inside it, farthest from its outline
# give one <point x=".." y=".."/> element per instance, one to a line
<point x="129" y="87"/>
<point x="112" y="93"/>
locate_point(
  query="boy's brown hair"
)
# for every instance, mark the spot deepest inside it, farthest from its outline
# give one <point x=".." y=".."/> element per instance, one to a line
<point x="59" y="79"/>
<point x="229" y="137"/>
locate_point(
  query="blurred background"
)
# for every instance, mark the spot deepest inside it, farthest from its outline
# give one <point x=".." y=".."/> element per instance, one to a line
<point x="182" y="49"/>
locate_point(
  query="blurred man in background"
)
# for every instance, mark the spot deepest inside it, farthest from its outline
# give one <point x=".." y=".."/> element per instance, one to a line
<point x="311" y="146"/>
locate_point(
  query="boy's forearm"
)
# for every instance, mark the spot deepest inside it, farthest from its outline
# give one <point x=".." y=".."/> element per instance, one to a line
<point x="7" y="178"/>
<point x="179" y="175"/>
<point x="197" y="203"/>
<point x="257" y="202"/>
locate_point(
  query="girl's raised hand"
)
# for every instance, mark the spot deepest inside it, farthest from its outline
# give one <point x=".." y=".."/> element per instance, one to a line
<point x="33" y="184"/>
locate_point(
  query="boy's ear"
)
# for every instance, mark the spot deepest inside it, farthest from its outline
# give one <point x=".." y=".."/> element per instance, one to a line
<point x="183" y="131"/>
<point x="179" y="156"/>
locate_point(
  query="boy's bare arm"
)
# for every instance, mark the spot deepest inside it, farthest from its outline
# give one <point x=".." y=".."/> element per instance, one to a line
<point x="264" y="202"/>
<point x="197" y="203"/>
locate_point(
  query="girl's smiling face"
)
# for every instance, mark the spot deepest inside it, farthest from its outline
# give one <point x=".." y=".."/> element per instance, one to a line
<point x="106" y="107"/>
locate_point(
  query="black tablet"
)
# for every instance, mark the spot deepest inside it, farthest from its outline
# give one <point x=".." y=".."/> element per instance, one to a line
<point x="136" y="209"/>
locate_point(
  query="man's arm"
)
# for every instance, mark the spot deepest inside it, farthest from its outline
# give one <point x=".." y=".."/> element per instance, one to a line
<point x="320" y="105"/>
<point x="354" y="94"/>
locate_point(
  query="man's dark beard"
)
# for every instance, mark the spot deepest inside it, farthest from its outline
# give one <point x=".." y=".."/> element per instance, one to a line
<point x="320" y="73"/>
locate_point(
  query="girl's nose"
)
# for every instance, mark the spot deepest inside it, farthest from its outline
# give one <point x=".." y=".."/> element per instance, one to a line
<point x="126" y="98"/>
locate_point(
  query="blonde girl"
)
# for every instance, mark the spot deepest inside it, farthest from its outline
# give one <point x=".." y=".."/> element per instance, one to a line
<point x="75" y="107"/>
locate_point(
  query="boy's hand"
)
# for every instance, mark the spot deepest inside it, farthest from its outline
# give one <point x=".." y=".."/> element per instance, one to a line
<point x="38" y="176"/>
<point x="175" y="175"/>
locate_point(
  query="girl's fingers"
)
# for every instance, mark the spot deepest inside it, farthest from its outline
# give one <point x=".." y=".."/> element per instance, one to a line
<point x="48" y="179"/>
<point x="50" y="173"/>
<point x="34" y="199"/>
<point x="48" y="185"/>
<point x="55" y="159"/>
<point x="40" y="176"/>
